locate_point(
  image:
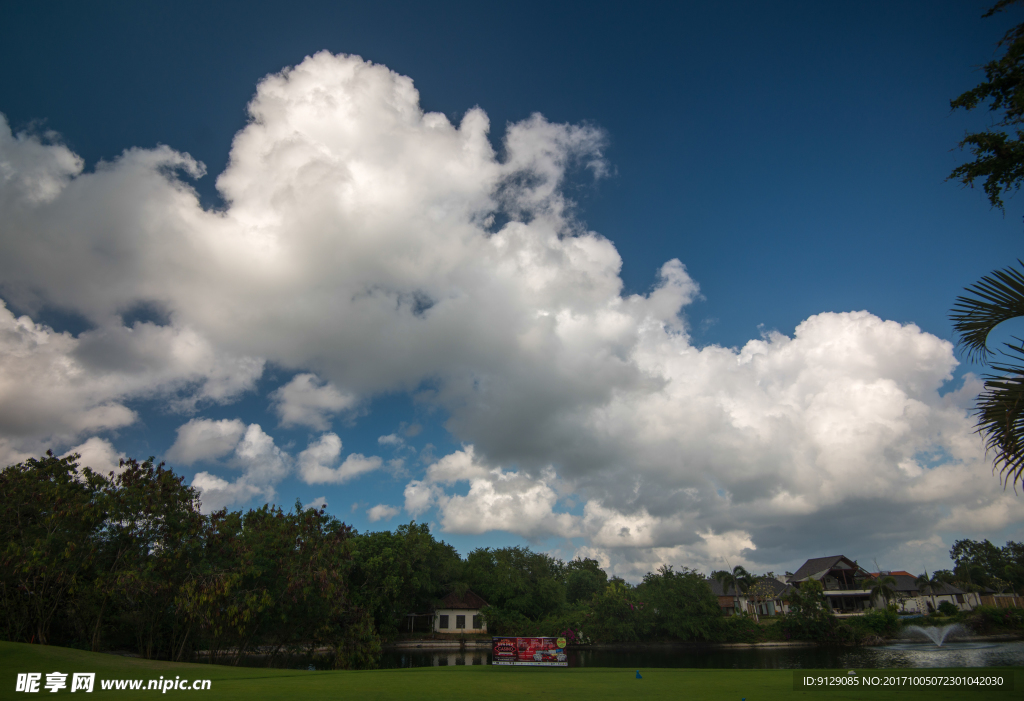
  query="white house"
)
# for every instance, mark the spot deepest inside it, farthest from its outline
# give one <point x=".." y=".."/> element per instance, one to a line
<point x="460" y="615"/>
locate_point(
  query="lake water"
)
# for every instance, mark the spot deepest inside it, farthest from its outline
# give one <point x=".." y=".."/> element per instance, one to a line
<point x="897" y="655"/>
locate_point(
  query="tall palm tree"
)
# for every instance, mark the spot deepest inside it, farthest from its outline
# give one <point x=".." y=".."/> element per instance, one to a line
<point x="996" y="298"/>
<point x="883" y="588"/>
<point x="739" y="579"/>
<point x="929" y="585"/>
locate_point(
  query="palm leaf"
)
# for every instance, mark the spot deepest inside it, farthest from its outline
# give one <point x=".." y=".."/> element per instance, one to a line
<point x="1000" y="413"/>
<point x="996" y="298"/>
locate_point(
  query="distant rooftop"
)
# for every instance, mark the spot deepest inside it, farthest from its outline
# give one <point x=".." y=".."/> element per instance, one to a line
<point x="467" y="601"/>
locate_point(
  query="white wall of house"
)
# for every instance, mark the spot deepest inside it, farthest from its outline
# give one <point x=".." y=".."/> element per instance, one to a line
<point x="451" y="617"/>
<point x="769" y="607"/>
<point x="914" y="604"/>
<point x="963" y="604"/>
<point x="922" y="603"/>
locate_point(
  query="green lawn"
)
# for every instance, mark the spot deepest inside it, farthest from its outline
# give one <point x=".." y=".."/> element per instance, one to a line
<point x="249" y="684"/>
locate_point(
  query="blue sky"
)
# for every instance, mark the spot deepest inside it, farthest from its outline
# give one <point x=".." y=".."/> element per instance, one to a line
<point x="791" y="158"/>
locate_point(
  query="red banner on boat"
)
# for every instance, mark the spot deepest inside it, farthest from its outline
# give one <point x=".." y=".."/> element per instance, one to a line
<point x="532" y="652"/>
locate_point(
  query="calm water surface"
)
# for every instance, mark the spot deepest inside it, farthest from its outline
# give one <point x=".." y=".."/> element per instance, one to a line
<point x="956" y="654"/>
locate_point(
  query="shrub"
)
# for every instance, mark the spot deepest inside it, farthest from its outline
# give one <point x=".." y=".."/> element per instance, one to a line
<point x="741" y="629"/>
<point x="810" y="617"/>
<point x="504" y="622"/>
<point x="874" y="624"/>
<point x="947" y="608"/>
<point x="885" y="623"/>
<point x="987" y="619"/>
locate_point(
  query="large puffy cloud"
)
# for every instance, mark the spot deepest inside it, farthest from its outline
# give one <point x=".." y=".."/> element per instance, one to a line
<point x="99" y="455"/>
<point x="382" y="512"/>
<point x="262" y="464"/>
<point x="47" y="389"/>
<point x="205" y="439"/>
<point x="836" y="436"/>
<point x="358" y="248"/>
<point x="497" y="499"/>
<point x="305" y="402"/>
<point x="55" y="387"/>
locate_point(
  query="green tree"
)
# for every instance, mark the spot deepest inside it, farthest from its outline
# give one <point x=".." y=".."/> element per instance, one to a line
<point x="583" y="579"/>
<point x="979" y="563"/>
<point x="976" y="562"/>
<point x="810" y="616"/>
<point x="516" y="580"/>
<point x="394" y="574"/>
<point x="999" y="160"/>
<point x="616" y="615"/>
<point x="883" y="588"/>
<point x="738" y="580"/>
<point x="150" y="539"/>
<point x="998" y="154"/>
<point x="1013" y="570"/>
<point x="681" y="603"/>
<point x="280" y="580"/>
<point x="50" y="512"/>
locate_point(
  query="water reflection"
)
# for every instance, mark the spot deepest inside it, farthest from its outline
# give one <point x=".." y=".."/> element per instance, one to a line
<point x="911" y="655"/>
<point x="391" y="659"/>
<point x="967" y="654"/>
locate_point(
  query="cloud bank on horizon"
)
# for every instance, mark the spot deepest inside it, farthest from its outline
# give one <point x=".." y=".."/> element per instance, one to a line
<point x="362" y="247"/>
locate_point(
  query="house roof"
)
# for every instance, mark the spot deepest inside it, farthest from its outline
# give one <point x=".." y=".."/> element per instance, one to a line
<point x="908" y="582"/>
<point x="904" y="581"/>
<point x="777" y="587"/>
<point x="946" y="588"/>
<point x="816" y="566"/>
<point x="468" y="601"/>
<point x="716" y="588"/>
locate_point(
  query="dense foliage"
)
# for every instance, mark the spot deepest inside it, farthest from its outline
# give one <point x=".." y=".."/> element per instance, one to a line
<point x="998" y="151"/>
<point x="982" y="565"/>
<point x="127" y="561"/>
<point x="998" y="297"/>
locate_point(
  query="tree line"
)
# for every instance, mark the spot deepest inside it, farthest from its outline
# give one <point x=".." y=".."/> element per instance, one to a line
<point x="127" y="561"/>
<point x="980" y="566"/>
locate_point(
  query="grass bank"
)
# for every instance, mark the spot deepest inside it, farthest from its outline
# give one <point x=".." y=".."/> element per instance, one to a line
<point x="454" y="683"/>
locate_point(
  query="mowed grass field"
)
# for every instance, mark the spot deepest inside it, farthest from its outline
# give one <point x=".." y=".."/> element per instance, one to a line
<point x="456" y="683"/>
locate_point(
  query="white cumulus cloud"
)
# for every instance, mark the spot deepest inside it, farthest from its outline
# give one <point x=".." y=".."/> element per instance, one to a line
<point x="317" y="504"/>
<point x="358" y="248"/>
<point x="317" y="462"/>
<point x="205" y="439"/>
<point x="382" y="512"/>
<point x="305" y="402"/>
<point x="497" y="499"/>
<point x="99" y="455"/>
<point x="262" y="464"/>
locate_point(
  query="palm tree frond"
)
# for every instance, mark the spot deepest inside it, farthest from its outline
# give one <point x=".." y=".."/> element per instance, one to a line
<point x="1000" y="414"/>
<point x="996" y="298"/>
